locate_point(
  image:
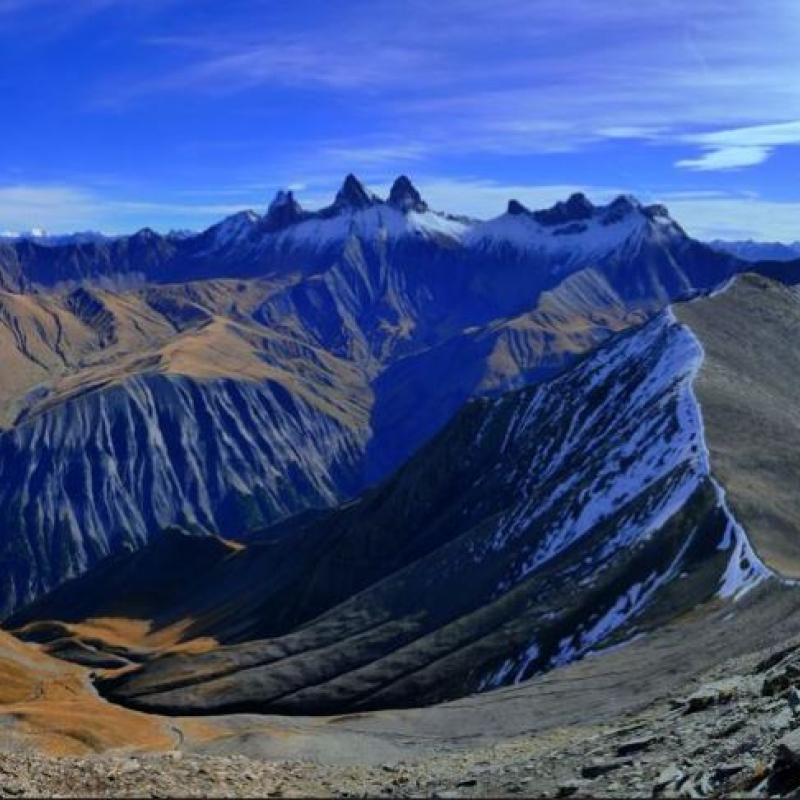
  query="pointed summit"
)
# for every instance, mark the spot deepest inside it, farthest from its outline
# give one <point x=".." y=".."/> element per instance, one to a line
<point x="353" y="194"/>
<point x="579" y="206"/>
<point x="515" y="208"/>
<point x="283" y="199"/>
<point x="283" y="211"/>
<point x="405" y="196"/>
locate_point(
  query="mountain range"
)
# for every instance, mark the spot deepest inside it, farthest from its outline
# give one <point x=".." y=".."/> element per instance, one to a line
<point x="424" y="504"/>
<point x="749" y="250"/>
<point x="537" y="527"/>
<point x="276" y="363"/>
<point x="402" y="455"/>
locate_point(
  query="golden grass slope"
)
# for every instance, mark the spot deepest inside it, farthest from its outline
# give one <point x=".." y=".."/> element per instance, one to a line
<point x="50" y="706"/>
<point x="204" y="331"/>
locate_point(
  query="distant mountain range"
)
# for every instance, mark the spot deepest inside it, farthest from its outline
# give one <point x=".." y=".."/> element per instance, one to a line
<point x="748" y="250"/>
<point x="42" y="237"/>
<point x="287" y="237"/>
<point x="287" y="361"/>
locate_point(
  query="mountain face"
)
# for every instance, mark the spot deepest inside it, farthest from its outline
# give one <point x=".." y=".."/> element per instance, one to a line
<point x="128" y="412"/>
<point x="537" y="527"/>
<point x="113" y="467"/>
<point x="350" y="335"/>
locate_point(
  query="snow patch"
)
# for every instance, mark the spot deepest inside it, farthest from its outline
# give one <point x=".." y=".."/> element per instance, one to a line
<point x="371" y="224"/>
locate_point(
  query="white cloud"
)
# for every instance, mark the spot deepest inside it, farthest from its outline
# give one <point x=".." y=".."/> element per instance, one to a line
<point x="514" y="78"/>
<point x="64" y="208"/>
<point x="740" y="147"/>
<point x="727" y="158"/>
<point x="752" y="136"/>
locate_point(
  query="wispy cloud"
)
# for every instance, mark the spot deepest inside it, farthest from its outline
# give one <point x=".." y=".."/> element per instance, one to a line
<point x="289" y="62"/>
<point x="380" y="153"/>
<point x="741" y="147"/>
<point x="723" y="158"/>
<point x="62" y="208"/>
<point x="516" y="78"/>
<point x="536" y="77"/>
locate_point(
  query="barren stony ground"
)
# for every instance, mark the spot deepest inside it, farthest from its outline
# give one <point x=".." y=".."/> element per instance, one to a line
<point x="705" y="706"/>
<point x="734" y="731"/>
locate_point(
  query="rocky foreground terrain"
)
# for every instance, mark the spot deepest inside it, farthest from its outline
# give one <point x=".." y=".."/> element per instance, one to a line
<point x="733" y="732"/>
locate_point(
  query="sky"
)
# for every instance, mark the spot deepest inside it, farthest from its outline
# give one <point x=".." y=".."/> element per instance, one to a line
<point x="120" y="114"/>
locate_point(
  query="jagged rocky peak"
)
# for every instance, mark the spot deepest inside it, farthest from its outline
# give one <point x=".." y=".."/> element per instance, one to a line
<point x="515" y="208"/>
<point x="576" y="208"/>
<point x="579" y="204"/>
<point x="354" y="195"/>
<point x="283" y="211"/>
<point x="658" y="213"/>
<point x="620" y="208"/>
<point x="405" y="196"/>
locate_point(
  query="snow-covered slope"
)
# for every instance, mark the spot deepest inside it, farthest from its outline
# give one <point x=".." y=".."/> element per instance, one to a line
<point x="233" y="232"/>
<point x="377" y="223"/>
<point x="579" y="235"/>
<point x="639" y="248"/>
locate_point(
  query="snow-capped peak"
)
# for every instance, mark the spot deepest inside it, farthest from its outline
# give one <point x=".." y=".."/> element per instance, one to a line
<point x="619" y="208"/>
<point x="145" y="235"/>
<point x="358" y="212"/>
<point x="180" y="234"/>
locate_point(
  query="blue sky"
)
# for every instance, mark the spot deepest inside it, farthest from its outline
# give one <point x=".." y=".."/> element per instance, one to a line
<point x="172" y="113"/>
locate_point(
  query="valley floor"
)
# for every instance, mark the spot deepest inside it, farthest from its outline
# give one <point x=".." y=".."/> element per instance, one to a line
<point x="703" y="707"/>
<point x="733" y="734"/>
